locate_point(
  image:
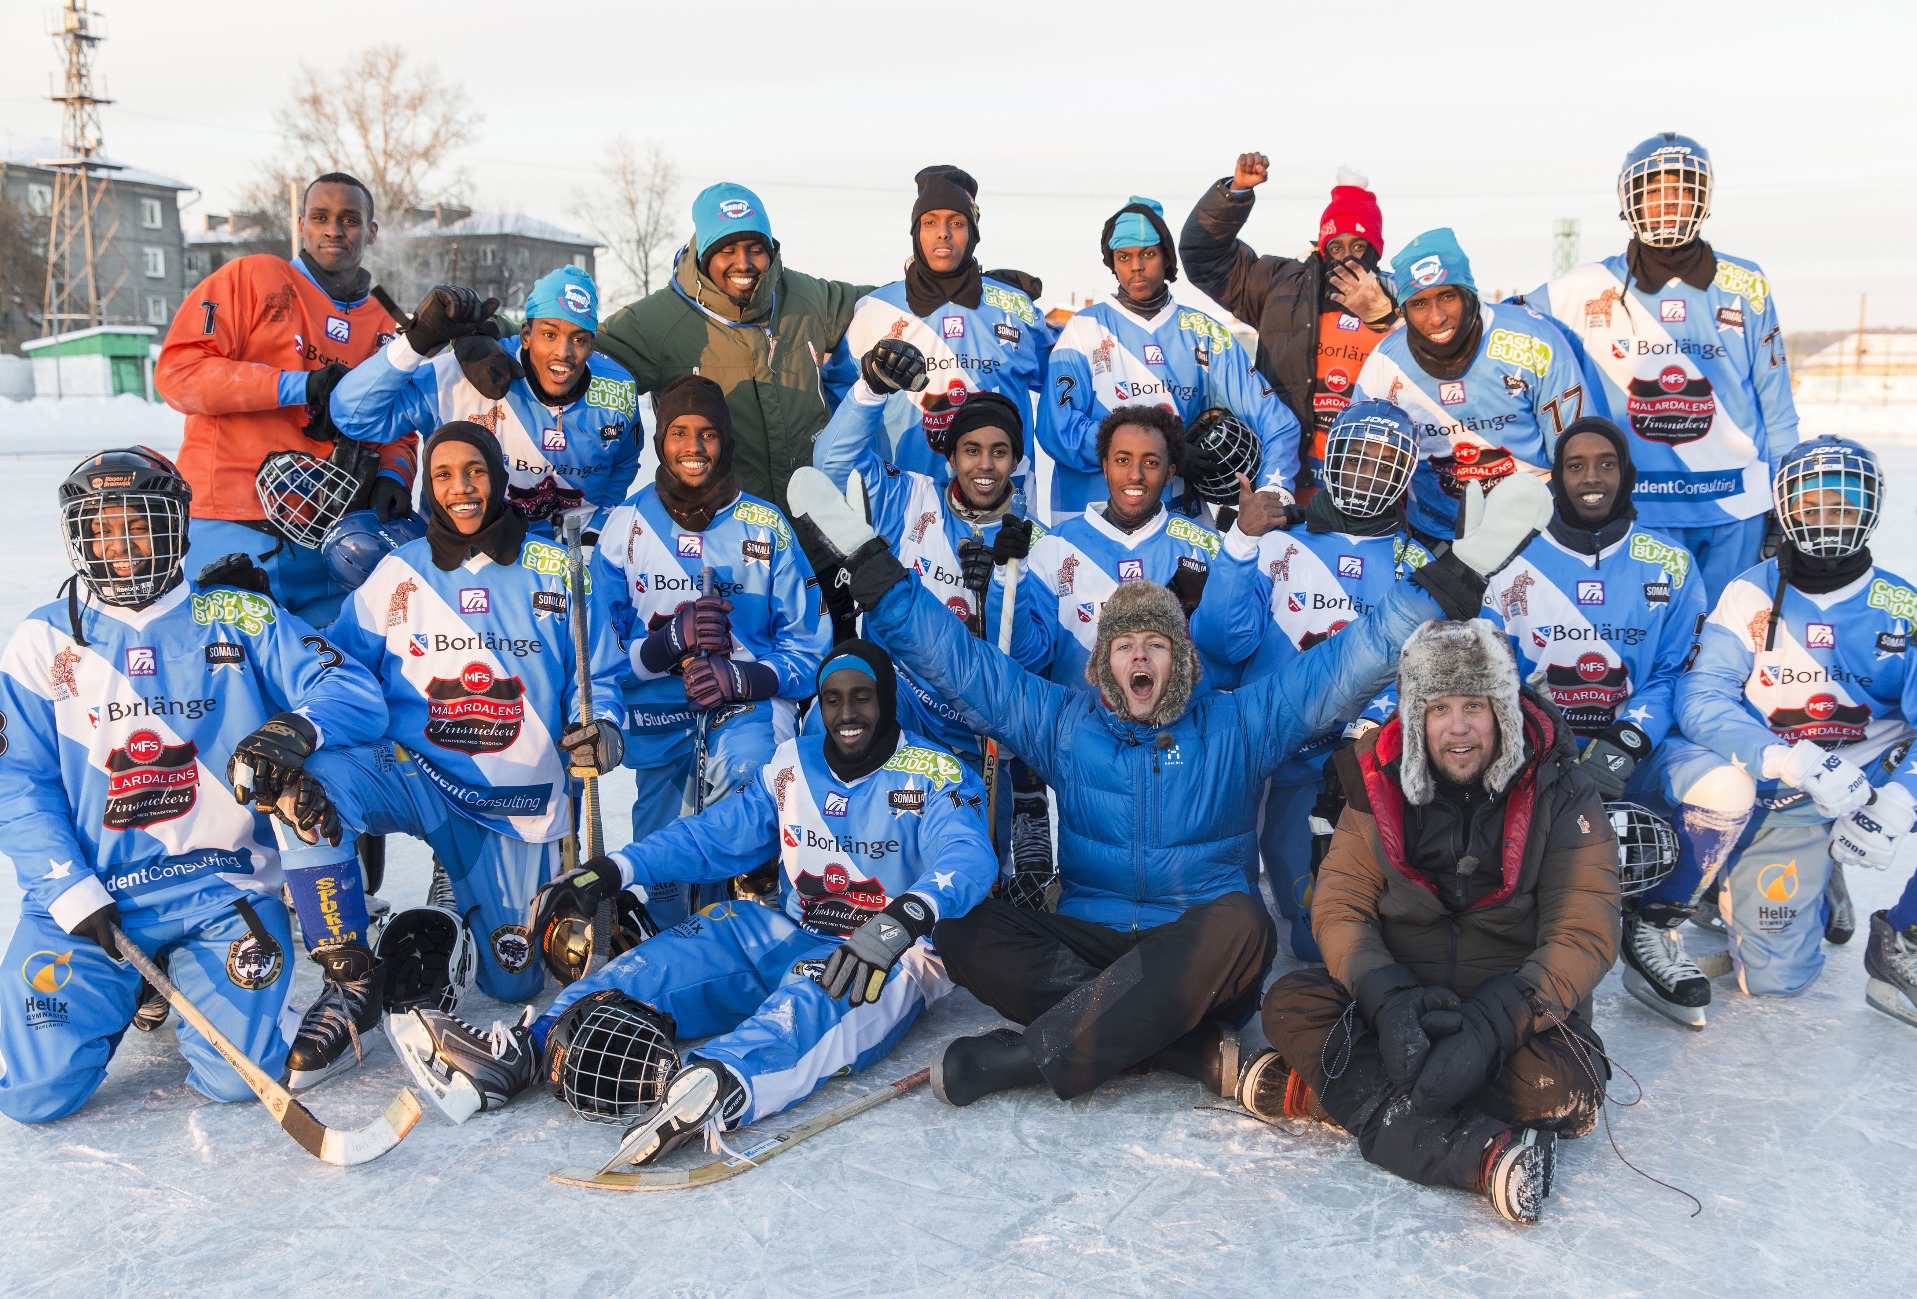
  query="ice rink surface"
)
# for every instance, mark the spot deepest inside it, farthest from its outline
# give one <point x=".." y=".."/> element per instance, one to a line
<point x="1794" y="1122"/>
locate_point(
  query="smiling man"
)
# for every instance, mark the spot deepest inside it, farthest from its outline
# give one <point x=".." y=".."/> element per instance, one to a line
<point x="567" y="419"/>
<point x="878" y="836"/>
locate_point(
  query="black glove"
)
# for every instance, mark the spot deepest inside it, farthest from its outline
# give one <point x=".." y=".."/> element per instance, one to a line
<point x="1613" y="756"/>
<point x="574" y="896"/>
<point x="237" y="569"/>
<point x="1393" y="1000"/>
<point x="893" y="365"/>
<point x="1492" y="1023"/>
<point x="265" y="761"/>
<point x="592" y="748"/>
<point x="866" y="574"/>
<point x="695" y="627"/>
<point x="445" y="313"/>
<point x="486" y="365"/>
<point x="319" y="388"/>
<point x="98" y="927"/>
<point x="1014" y="540"/>
<point x="863" y="961"/>
<point x="1200" y="463"/>
<point x="305" y="805"/>
<point x="1188" y="583"/>
<point x="388" y="498"/>
<point x="975" y="566"/>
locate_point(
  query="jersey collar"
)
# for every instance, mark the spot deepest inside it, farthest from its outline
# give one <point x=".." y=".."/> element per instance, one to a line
<point x="1095" y="516"/>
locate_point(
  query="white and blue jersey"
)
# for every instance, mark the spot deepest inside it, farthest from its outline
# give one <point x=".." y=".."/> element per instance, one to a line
<point x="1000" y="346"/>
<point x="1605" y="637"/>
<point x="1698" y="377"/>
<point x="1108" y="356"/>
<point x="1081" y="562"/>
<point x="646" y="566"/>
<point x="915" y="514"/>
<point x="113" y="768"/>
<point x="477" y="669"/>
<point x="1519" y="395"/>
<point x="557" y="457"/>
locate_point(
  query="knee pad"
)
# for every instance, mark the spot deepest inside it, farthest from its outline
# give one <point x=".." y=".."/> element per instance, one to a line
<point x="1725" y="790"/>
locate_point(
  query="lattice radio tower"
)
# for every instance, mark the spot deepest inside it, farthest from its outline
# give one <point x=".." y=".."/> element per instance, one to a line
<point x="75" y="238"/>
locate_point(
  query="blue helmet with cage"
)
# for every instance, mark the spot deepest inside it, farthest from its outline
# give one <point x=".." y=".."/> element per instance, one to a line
<point x="1664" y="189"/>
<point x="354" y="546"/>
<point x="1829" y="495"/>
<point x="1369" y="456"/>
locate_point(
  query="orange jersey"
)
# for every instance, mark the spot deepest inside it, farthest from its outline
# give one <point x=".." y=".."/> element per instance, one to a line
<point x="221" y="364"/>
<point x="1343" y="344"/>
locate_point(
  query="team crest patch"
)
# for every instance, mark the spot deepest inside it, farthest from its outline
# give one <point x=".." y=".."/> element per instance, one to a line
<point x="1066" y="572"/>
<point x="396" y="605"/>
<point x="512" y="947"/>
<point x="782" y="782"/>
<point x="906" y="800"/>
<point x="252" y="964"/>
<point x="60" y="674"/>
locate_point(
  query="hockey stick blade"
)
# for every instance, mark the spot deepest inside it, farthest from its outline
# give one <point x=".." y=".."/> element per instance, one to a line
<point x="341" y="1146"/>
<point x="676" y="1179"/>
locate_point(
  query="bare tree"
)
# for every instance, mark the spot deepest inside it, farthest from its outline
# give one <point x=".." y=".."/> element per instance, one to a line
<point x="631" y="211"/>
<point x="392" y="121"/>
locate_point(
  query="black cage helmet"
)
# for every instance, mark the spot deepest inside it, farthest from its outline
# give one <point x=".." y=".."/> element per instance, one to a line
<point x="113" y="506"/>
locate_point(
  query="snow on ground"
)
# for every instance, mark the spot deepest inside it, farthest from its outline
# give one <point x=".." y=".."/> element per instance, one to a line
<point x="1795" y="1122"/>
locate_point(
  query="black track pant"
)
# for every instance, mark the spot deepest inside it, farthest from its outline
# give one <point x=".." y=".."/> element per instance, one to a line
<point x="1553" y="1081"/>
<point x="1098" y="1000"/>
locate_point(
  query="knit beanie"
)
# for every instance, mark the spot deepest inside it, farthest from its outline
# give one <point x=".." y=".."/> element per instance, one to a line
<point x="1353" y="210"/>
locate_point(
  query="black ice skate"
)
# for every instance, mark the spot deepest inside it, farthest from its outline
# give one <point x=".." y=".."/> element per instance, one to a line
<point x="700" y="1101"/>
<point x="349" y="1005"/>
<point x="1891" y="961"/>
<point x="462" y="1069"/>
<point x="1519" y="1174"/>
<point x="1841" y="926"/>
<point x="149" y="1013"/>
<point x="1656" y="970"/>
<point x="1033" y="872"/>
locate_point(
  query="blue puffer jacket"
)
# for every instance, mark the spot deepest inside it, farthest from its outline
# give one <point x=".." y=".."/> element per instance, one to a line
<point x="1152" y="820"/>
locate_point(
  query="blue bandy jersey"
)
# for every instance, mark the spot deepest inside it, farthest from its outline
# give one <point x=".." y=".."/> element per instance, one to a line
<point x="113" y="748"/>
<point x="1837" y="672"/>
<point x="1523" y="390"/>
<point x="1082" y="561"/>
<point x="915" y="514"/>
<point x="647" y="566"/>
<point x="1107" y="357"/>
<point x="1001" y="347"/>
<point x="477" y="666"/>
<point x="916" y="825"/>
<point x="1697" y="376"/>
<point x="1315" y="584"/>
<point x="1605" y="637"/>
<point x="557" y="457"/>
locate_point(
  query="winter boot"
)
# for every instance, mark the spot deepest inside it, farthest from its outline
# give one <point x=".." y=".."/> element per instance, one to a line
<point x="973" y="1067"/>
<point x="1891" y="961"/>
<point x="1273" y="1090"/>
<point x="462" y="1069"/>
<point x="1656" y="970"/>
<point x="1840" y="926"/>
<point x="1518" y="1170"/>
<point x="703" y="1098"/>
<point x="349" y="1004"/>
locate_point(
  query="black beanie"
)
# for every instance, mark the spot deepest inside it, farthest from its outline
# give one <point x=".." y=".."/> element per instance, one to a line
<point x="887" y="737"/>
<point x="982" y="410"/>
<point x="501" y="530"/>
<point x="694" y="394"/>
<point x="944" y="188"/>
<point x="1622" y="507"/>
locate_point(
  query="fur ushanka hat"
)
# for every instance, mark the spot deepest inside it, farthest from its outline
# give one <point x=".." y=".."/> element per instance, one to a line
<point x="1457" y="658"/>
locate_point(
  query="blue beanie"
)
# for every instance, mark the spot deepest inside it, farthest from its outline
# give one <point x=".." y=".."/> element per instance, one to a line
<point x="723" y="212"/>
<point x="1432" y="259"/>
<point x="565" y="294"/>
<point x="1131" y="229"/>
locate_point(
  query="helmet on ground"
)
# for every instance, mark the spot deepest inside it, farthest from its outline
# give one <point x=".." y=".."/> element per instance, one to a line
<point x="1829" y="495"/>
<point x="610" y="1057"/>
<point x="1369" y="456"/>
<point x="124" y="516"/>
<point x="430" y="959"/>
<point x="1646" y="847"/>
<point x="1664" y="190"/>
<point x="353" y="547"/>
<point x="1227" y="447"/>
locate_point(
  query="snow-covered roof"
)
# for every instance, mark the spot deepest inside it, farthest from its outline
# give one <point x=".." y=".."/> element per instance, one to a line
<point x="500" y="223"/>
<point x="34" y="153"/>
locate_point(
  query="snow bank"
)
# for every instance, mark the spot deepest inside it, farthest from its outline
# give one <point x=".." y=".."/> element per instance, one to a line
<point x="79" y="426"/>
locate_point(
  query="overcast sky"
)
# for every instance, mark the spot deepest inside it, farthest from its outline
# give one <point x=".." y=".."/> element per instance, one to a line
<point x="1493" y="119"/>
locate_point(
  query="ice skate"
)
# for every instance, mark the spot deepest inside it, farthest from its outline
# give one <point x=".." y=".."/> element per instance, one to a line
<point x="696" y="1103"/>
<point x="1656" y="970"/>
<point x="1519" y="1174"/>
<point x="349" y="1005"/>
<point x="1841" y="925"/>
<point x="1273" y="1090"/>
<point x="464" y="1070"/>
<point x="1890" y="959"/>
<point x="149" y="1013"/>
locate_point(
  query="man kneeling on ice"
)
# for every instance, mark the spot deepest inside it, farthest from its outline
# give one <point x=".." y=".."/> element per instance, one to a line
<point x="879" y="835"/>
<point x="1156" y="939"/>
<point x="1466" y="911"/>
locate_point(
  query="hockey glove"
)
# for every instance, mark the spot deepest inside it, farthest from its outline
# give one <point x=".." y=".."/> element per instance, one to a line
<point x="1392" y="1000"/>
<point x="1837" y="787"/>
<point x="833" y="528"/>
<point x="717" y="681"/>
<point x="265" y="761"/>
<point x="1613" y="756"/>
<point x="1014" y="540"/>
<point x="305" y="805"/>
<point x="237" y="569"/>
<point x="1491" y="530"/>
<point x="1188" y="583"/>
<point x="856" y="972"/>
<point x="319" y="391"/>
<point x="592" y="749"/>
<point x="893" y="365"/>
<point x="695" y="627"/>
<point x="1875" y="835"/>
<point x="975" y="566"/>
<point x="97" y="928"/>
<point x="1492" y="1023"/>
<point x="389" y="498"/>
<point x="445" y="313"/>
<point x="487" y="366"/>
